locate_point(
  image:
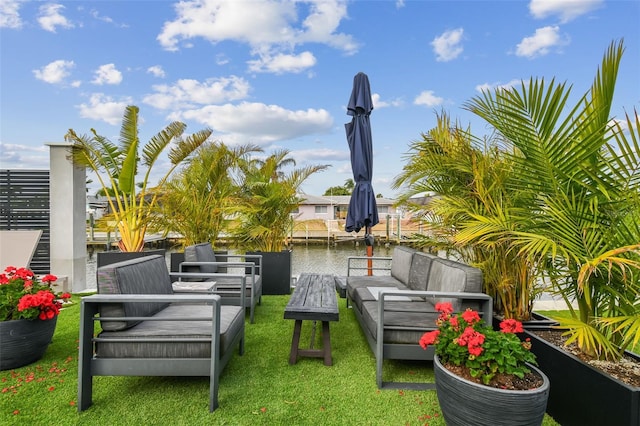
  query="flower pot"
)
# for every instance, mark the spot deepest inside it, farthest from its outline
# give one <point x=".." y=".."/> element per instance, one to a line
<point x="24" y="341"/>
<point x="581" y="394"/>
<point x="467" y="403"/>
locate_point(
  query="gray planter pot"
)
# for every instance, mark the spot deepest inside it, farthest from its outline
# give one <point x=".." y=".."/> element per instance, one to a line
<point x="466" y="403"/>
<point x="24" y="341"/>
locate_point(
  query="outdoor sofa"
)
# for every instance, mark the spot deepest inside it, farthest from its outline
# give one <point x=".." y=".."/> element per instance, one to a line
<point x="400" y="306"/>
<point x="201" y="258"/>
<point x="147" y="329"/>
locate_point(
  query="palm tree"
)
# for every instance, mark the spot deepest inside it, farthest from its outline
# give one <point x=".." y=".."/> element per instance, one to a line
<point x="269" y="195"/>
<point x="580" y="177"/>
<point x="116" y="167"/>
<point x="198" y="201"/>
<point x="469" y="177"/>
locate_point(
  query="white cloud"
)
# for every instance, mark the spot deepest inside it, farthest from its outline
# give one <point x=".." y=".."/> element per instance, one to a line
<point x="156" y="71"/>
<point x="399" y="4"/>
<point x="378" y="103"/>
<point x="320" y="155"/>
<point x="567" y="10"/>
<point x="104" y="108"/>
<point x="187" y="93"/>
<point x="427" y="98"/>
<point x="24" y="156"/>
<point x="260" y="123"/>
<point x="107" y="74"/>
<point x="54" y="72"/>
<point x="9" y="14"/>
<point x="541" y="42"/>
<point x="282" y="63"/>
<point x="221" y="59"/>
<point x="50" y="17"/>
<point x="491" y="86"/>
<point x="447" y="46"/>
<point x="272" y="31"/>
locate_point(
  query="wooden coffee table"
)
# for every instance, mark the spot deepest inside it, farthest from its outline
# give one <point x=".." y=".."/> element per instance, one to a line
<point x="314" y="299"/>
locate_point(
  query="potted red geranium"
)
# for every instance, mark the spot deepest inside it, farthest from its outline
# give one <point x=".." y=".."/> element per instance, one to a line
<point x="485" y="376"/>
<point x="28" y="312"/>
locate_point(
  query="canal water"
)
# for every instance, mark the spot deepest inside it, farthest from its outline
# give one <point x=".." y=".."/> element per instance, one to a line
<point x="313" y="258"/>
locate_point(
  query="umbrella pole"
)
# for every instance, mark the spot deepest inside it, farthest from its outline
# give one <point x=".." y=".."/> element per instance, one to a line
<point x="368" y="239"/>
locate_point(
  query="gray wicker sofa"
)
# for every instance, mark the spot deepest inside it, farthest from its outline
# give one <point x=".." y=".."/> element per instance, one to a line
<point x="148" y="330"/>
<point x="400" y="305"/>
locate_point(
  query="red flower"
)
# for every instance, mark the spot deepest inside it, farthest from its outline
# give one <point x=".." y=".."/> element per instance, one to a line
<point x="24" y="296"/>
<point x="470" y="316"/>
<point x="454" y="322"/>
<point x="464" y="339"/>
<point x="444" y="307"/>
<point x="49" y="278"/>
<point x="429" y="338"/>
<point x="511" y="326"/>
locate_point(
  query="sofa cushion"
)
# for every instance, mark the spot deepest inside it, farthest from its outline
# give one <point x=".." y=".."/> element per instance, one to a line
<point x="401" y="263"/>
<point x="144" y="275"/>
<point x="419" y="272"/>
<point x="450" y="276"/>
<point x="231" y="323"/>
<point x="232" y="283"/>
<point x="412" y="319"/>
<point x="363" y="281"/>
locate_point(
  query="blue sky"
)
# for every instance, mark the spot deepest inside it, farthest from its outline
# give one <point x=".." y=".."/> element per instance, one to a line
<point x="279" y="73"/>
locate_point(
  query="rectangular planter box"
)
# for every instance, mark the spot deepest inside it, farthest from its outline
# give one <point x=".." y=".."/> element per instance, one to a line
<point x="581" y="394"/>
<point x="275" y="271"/>
<point x="108" y="257"/>
<point x="176" y="258"/>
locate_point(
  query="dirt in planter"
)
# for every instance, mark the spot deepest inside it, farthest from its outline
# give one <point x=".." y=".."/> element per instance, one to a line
<point x="500" y="381"/>
<point x="626" y="370"/>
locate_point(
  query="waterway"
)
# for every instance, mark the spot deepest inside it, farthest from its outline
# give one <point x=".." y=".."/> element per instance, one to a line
<point x="313" y="258"/>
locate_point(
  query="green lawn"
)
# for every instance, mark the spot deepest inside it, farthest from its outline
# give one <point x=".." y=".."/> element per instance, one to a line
<point x="257" y="388"/>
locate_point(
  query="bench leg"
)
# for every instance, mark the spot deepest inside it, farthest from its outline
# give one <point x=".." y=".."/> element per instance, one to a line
<point x="295" y="342"/>
<point x="326" y="343"/>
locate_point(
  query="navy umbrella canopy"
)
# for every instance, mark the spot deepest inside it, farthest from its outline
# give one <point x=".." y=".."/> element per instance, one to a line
<point x="363" y="211"/>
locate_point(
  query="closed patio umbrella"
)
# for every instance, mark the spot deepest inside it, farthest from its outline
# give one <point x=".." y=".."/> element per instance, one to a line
<point x="363" y="211"/>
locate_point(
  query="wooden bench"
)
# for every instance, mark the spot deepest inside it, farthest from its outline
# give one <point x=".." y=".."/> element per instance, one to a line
<point x="314" y="299"/>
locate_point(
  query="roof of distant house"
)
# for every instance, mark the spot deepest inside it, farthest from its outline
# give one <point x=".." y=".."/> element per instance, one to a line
<point x="337" y="200"/>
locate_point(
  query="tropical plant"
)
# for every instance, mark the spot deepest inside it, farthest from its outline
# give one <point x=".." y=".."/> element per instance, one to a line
<point x="580" y="174"/>
<point x="199" y="199"/>
<point x="345" y="189"/>
<point x="269" y="195"/>
<point x="117" y="166"/>
<point x="568" y="206"/>
<point x="470" y="177"/>
<point x="23" y="296"/>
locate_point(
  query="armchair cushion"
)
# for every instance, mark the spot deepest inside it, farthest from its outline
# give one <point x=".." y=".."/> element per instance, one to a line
<point x="202" y="252"/>
<point x="169" y="333"/>
<point x="134" y="276"/>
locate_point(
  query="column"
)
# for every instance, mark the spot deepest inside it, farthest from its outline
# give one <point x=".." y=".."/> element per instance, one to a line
<point x="67" y="217"/>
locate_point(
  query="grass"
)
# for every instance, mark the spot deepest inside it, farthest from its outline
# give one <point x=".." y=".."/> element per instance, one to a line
<point x="259" y="388"/>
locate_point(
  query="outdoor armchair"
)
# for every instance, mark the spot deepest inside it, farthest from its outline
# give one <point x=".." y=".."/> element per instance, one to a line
<point x="200" y="258"/>
<point x="145" y="329"/>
